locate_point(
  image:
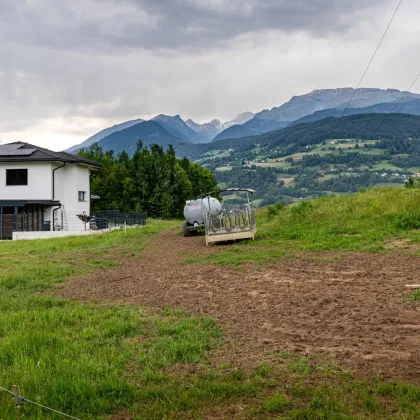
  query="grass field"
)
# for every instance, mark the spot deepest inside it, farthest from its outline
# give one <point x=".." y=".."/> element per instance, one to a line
<point x="94" y="360"/>
<point x="90" y="360"/>
<point x="365" y="221"/>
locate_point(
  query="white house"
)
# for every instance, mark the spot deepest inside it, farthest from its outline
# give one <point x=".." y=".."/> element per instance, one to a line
<point x="42" y="190"/>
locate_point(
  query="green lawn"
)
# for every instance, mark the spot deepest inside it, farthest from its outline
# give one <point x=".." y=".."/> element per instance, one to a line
<point x="224" y="168"/>
<point x="93" y="360"/>
<point x="90" y="360"/>
<point x="386" y="166"/>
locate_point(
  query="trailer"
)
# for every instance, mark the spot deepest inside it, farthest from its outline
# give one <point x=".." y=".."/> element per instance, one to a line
<point x="220" y="224"/>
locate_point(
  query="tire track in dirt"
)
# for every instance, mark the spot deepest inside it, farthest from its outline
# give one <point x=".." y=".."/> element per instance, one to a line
<point x="350" y="309"/>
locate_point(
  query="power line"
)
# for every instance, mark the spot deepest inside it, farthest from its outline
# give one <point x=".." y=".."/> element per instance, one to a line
<point x="372" y="58"/>
<point x="23" y="399"/>
<point x="396" y="104"/>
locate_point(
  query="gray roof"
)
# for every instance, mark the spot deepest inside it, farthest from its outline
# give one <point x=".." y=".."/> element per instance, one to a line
<point x="25" y="152"/>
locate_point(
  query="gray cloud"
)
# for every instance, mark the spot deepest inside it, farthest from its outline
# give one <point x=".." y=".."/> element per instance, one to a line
<point x="77" y="66"/>
<point x="106" y="25"/>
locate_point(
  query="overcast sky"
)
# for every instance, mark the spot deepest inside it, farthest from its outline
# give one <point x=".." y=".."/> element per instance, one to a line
<point x="70" y="68"/>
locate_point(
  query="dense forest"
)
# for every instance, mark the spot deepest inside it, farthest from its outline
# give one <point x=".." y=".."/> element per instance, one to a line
<point x="153" y="180"/>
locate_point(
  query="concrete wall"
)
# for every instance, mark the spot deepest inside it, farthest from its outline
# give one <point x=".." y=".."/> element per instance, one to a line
<point x="39" y="182"/>
<point x="55" y="234"/>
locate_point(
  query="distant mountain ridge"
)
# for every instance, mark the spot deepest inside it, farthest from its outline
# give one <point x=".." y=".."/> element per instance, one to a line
<point x="252" y="127"/>
<point x="309" y="107"/>
<point x="177" y="127"/>
<point x="102" y="134"/>
<point x="149" y="132"/>
<point x="409" y="107"/>
<point x="316" y="101"/>
<point x="208" y="131"/>
<point x="187" y="131"/>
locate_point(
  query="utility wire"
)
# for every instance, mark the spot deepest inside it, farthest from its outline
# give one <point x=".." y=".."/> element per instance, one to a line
<point x="373" y="57"/>
<point x="23" y="399"/>
<point x="396" y="104"/>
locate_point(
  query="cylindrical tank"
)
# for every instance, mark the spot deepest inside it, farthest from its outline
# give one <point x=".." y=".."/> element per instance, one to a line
<point x="193" y="212"/>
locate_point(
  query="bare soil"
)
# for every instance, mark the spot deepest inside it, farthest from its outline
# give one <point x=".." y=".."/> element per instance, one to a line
<point x="348" y="307"/>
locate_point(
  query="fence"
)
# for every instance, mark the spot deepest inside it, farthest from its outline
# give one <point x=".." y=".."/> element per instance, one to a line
<point x="110" y="219"/>
<point x="19" y="400"/>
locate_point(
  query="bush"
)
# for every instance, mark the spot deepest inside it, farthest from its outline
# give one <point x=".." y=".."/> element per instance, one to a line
<point x="302" y="208"/>
<point x="274" y="210"/>
<point x="407" y="220"/>
<point x="412" y="182"/>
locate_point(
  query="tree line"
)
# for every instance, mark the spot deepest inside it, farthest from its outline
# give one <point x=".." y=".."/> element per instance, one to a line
<point x="153" y="180"/>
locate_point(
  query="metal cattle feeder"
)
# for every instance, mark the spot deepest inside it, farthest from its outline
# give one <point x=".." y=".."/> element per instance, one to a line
<point x="220" y="225"/>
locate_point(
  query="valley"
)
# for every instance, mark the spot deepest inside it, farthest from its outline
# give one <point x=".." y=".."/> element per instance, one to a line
<point x="301" y="150"/>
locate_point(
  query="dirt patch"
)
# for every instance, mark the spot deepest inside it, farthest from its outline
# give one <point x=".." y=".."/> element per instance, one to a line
<point x="348" y="307"/>
<point x="402" y="244"/>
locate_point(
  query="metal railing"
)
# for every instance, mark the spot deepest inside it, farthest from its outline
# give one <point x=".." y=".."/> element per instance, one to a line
<point x="236" y="220"/>
<point x="111" y="219"/>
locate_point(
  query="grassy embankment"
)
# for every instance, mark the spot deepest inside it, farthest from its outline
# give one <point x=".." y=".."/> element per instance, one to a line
<point x="91" y="360"/>
<point x="367" y="221"/>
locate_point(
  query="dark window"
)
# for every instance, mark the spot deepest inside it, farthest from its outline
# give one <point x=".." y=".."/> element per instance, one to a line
<point x="16" y="177"/>
<point x="82" y="195"/>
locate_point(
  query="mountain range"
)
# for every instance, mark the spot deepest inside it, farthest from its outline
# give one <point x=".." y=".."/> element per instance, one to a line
<point x="172" y="129"/>
<point x="311" y="107"/>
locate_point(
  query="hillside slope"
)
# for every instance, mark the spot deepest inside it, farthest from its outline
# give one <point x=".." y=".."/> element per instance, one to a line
<point x="148" y="132"/>
<point x="176" y="126"/>
<point x="253" y="127"/>
<point x="409" y="107"/>
<point x="102" y="134"/>
<point x="365" y="126"/>
<point x="208" y="131"/>
<point x="318" y="100"/>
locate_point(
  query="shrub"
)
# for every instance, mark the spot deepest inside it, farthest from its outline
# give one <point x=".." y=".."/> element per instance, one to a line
<point x="412" y="182"/>
<point x="274" y="210"/>
<point x="407" y="220"/>
<point x="302" y="208"/>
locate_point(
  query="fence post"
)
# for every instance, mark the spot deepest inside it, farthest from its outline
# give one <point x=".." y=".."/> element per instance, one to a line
<point x="16" y="400"/>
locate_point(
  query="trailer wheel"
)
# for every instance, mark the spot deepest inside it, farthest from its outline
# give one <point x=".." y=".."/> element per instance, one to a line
<point x="185" y="230"/>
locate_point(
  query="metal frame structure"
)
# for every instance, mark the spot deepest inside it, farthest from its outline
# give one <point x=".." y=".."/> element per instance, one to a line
<point x="112" y="218"/>
<point x="237" y="224"/>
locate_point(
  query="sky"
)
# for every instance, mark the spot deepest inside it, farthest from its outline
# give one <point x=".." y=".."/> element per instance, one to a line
<point x="70" y="68"/>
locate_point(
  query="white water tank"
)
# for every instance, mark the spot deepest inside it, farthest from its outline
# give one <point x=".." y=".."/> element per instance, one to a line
<point x="193" y="211"/>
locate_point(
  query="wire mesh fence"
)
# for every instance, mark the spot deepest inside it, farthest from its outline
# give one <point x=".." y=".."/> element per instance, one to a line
<point x="111" y="219"/>
<point x="71" y="220"/>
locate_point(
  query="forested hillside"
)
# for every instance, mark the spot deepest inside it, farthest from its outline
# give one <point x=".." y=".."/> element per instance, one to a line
<point x="152" y="180"/>
<point x="407" y="107"/>
<point x="331" y="156"/>
<point x="366" y="126"/>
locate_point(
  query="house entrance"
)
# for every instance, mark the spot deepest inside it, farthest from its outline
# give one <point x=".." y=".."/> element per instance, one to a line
<point x="7" y="220"/>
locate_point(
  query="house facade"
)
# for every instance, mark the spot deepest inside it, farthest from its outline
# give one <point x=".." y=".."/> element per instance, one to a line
<point x="42" y="190"/>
